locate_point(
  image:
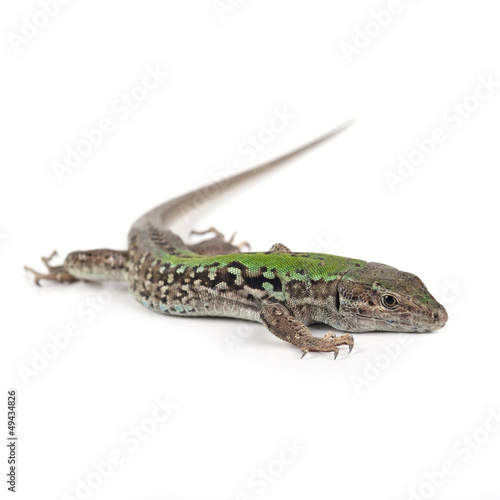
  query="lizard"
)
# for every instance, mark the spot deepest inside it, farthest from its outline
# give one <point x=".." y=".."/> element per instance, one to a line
<point x="285" y="291"/>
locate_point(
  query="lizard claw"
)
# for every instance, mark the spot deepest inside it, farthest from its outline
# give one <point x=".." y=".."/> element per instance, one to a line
<point x="241" y="245"/>
<point x="37" y="275"/>
<point x="350" y="342"/>
<point x="345" y="339"/>
<point x="46" y="260"/>
<point x="244" y="244"/>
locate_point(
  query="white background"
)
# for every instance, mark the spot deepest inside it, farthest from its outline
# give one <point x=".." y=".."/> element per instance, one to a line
<point x="367" y="425"/>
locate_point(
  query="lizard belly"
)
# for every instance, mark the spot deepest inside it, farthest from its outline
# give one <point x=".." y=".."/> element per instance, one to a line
<point x="216" y="306"/>
<point x="182" y="291"/>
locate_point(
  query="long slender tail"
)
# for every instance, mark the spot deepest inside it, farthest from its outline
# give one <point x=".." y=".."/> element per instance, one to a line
<point x="163" y="215"/>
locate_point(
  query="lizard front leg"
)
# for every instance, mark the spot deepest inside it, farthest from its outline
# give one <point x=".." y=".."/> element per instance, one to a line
<point x="281" y="323"/>
<point x="279" y="247"/>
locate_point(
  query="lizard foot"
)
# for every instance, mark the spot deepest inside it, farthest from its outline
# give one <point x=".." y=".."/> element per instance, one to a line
<point x="346" y="339"/>
<point x="328" y="343"/>
<point x="217" y="245"/>
<point x="56" y="273"/>
<point x="213" y="230"/>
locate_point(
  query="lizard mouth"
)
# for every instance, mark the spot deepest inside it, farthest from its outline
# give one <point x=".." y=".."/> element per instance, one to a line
<point x="393" y="325"/>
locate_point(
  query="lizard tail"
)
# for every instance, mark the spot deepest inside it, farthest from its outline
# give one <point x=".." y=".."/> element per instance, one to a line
<point x="163" y="215"/>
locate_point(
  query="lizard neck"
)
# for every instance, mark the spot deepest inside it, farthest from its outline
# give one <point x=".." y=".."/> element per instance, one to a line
<point x="314" y="301"/>
<point x="311" y="286"/>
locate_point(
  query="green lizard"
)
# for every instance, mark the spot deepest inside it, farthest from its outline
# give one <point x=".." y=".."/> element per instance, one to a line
<point x="284" y="290"/>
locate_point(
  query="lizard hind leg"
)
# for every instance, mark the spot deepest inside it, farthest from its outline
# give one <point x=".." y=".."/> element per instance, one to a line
<point x="55" y="273"/>
<point x="217" y="245"/>
<point x="281" y="323"/>
<point x="90" y="265"/>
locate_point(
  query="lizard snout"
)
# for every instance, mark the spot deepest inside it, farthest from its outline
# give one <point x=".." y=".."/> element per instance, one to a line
<point x="440" y="317"/>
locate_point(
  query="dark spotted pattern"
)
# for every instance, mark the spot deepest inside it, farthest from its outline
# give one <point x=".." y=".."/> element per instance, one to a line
<point x="230" y="289"/>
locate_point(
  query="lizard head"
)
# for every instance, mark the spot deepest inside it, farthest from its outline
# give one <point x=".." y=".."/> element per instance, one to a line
<point x="379" y="297"/>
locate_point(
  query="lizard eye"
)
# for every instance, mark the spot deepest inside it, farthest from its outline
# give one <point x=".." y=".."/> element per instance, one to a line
<point x="389" y="301"/>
